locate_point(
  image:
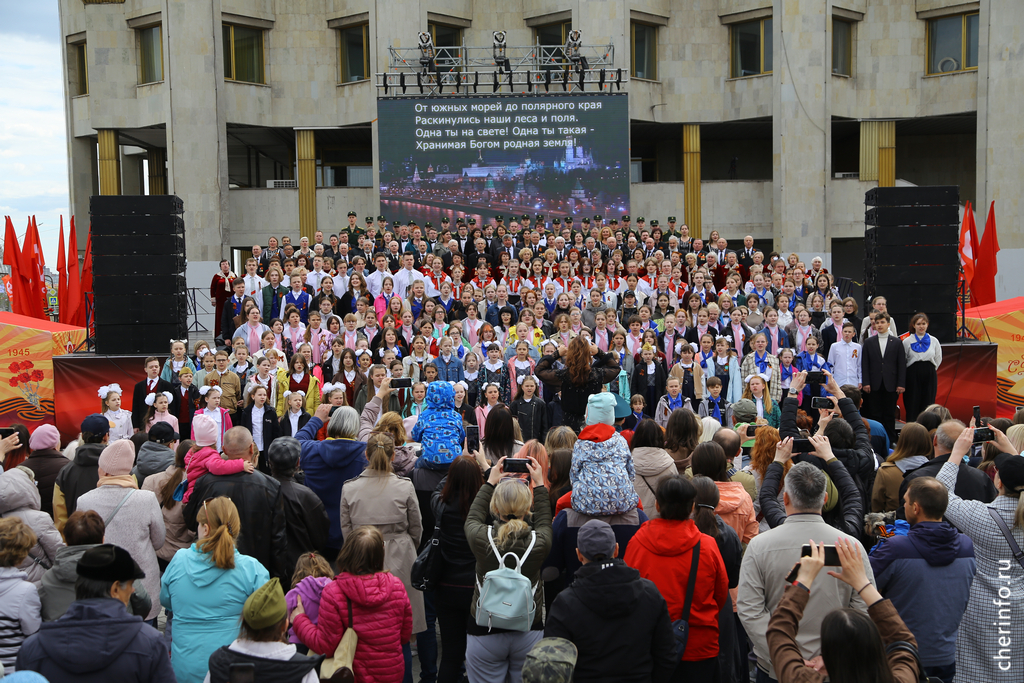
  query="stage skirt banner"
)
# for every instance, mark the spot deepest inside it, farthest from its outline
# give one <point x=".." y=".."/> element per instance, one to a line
<point x="1003" y="323"/>
<point x="77" y="379"/>
<point x="27" y="348"/>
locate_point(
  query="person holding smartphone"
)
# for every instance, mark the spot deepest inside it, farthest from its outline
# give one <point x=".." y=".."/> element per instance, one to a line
<point x="770" y="556"/>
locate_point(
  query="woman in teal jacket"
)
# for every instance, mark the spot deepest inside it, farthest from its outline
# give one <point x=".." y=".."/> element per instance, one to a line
<point x="205" y="587"/>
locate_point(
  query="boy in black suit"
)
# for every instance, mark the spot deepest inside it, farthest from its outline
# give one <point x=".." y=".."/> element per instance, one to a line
<point x="152" y="384"/>
<point x="884" y="373"/>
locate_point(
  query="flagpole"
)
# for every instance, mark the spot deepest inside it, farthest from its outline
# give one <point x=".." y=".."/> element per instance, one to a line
<point x="963" y="333"/>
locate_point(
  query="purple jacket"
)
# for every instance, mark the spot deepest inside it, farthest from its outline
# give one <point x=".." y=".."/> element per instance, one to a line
<point x="310" y="588"/>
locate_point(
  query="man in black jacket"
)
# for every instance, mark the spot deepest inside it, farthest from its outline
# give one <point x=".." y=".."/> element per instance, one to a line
<point x="849" y="438"/>
<point x="260" y="504"/>
<point x="618" y="621"/>
<point x="971" y="483"/>
<point x="305" y="518"/>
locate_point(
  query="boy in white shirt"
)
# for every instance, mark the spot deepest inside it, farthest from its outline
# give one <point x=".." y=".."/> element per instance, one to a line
<point x="845" y="358"/>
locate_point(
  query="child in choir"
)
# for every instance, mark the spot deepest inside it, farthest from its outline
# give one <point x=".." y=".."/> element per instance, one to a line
<point x="470" y="373"/>
<point x="786" y="370"/>
<point x="419" y="401"/>
<point x="636" y="406"/>
<point x="767" y="410"/>
<point x="690" y="374"/>
<point x="121" y="420"/>
<point x="494" y="371"/>
<point x="491" y="394"/>
<point x="157" y="411"/>
<point x="811" y="361"/>
<point x="295" y="417"/>
<point x="673" y="400"/>
<point x="726" y="368"/>
<point x="529" y="409"/>
<point x="714" y="404"/>
<point x="173" y="365"/>
<point x="648" y="379"/>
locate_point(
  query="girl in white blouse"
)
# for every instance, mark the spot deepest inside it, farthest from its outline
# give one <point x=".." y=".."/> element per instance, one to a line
<point x="121" y="420"/>
<point x="924" y="355"/>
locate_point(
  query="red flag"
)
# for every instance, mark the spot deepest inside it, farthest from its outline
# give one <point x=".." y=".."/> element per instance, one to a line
<point x="987" y="265"/>
<point x="76" y="310"/>
<point x="968" y="245"/>
<point x="29" y="267"/>
<point x="86" y="281"/>
<point x="62" y="274"/>
<point x="12" y="258"/>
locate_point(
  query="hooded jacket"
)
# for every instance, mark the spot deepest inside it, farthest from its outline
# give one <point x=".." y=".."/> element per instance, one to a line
<point x="77" y="477"/>
<point x="310" y="589"/>
<point x="619" y="623"/>
<point x="662" y="551"/>
<point x="153" y="458"/>
<point x="328" y="465"/>
<point x="933" y="559"/>
<point x="737" y="509"/>
<point x="381" y="615"/>
<point x="46" y="464"/>
<point x="439" y="428"/>
<point x="602" y="473"/>
<point x="207" y="604"/>
<point x="19" y="613"/>
<point x="57" y="589"/>
<point x="97" y="642"/>
<point x="651" y="466"/>
<point x="19" y="497"/>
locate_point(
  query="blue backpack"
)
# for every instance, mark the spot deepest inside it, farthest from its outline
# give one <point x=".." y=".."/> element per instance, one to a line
<point x="506" y="595"/>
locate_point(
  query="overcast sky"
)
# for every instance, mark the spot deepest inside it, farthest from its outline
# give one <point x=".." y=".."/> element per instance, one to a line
<point x="33" y="150"/>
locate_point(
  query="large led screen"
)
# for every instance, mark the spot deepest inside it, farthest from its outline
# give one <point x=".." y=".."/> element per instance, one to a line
<point x="556" y="155"/>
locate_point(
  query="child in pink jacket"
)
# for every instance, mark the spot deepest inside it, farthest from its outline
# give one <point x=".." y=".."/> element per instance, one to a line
<point x="205" y="457"/>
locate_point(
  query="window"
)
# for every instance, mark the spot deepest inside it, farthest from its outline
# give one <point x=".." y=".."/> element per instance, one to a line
<point x="553" y="34"/>
<point x="243" y="54"/>
<point x="151" y="56"/>
<point x="645" y="51"/>
<point x="751" y="48"/>
<point x="78" y="69"/>
<point x="953" y="44"/>
<point x="355" y="53"/>
<point x="842" y="47"/>
<point x="444" y="35"/>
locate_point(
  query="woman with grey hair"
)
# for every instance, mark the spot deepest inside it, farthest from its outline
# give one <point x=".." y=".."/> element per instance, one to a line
<point x="329" y="464"/>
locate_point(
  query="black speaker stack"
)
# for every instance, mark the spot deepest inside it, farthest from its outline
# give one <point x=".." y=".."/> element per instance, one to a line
<point x="911" y="256"/>
<point x="140" y="298"/>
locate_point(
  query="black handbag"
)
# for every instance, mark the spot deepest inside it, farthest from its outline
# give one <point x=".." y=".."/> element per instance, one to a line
<point x="424" y="569"/>
<point x="681" y="626"/>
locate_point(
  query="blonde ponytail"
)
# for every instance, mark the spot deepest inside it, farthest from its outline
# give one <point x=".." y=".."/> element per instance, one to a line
<point x="511" y="503"/>
<point x="221" y="516"/>
<point x="380" y="451"/>
<point x="1018" y="515"/>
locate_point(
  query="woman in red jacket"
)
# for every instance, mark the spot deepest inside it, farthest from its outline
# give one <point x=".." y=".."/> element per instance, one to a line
<point x="661" y="551"/>
<point x="377" y="603"/>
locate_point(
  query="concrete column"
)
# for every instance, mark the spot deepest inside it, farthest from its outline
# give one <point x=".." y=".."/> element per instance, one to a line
<point x="691" y="178"/>
<point x="305" y="145"/>
<point x="887" y="154"/>
<point x="196" y="127"/>
<point x="157" y="170"/>
<point x="801" y="123"/>
<point x="131" y="173"/>
<point x="109" y="162"/>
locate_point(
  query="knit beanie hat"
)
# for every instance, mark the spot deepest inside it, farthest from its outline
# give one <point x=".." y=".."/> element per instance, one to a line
<point x="44" y="437"/>
<point x="266" y="606"/>
<point x="118" y="458"/>
<point x="205" y="430"/>
<point x="601" y="409"/>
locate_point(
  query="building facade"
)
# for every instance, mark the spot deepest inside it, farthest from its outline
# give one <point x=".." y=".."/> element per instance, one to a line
<point x="767" y="117"/>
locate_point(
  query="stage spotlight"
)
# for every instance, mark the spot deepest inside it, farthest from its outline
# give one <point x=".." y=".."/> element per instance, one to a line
<point x="427" y="52"/>
<point x="572" y="49"/>
<point x="498" y="50"/>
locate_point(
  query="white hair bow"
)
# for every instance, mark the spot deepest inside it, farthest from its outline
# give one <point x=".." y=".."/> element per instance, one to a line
<point x="328" y="388"/>
<point x="766" y="375"/>
<point x="360" y="352"/>
<point x="183" y="342"/>
<point x="108" y="389"/>
<point x="300" y="392"/>
<point x="151" y="398"/>
<point x="204" y="390"/>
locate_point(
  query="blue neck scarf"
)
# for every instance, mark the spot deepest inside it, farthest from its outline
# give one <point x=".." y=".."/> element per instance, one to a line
<point x="761" y="361"/>
<point x="921" y="344"/>
<point x="716" y="410"/>
<point x="705" y="358"/>
<point x="808" y="361"/>
<point x="676" y="402"/>
<point x="786" y="372"/>
<point x="763" y="296"/>
<point x="639" y="416"/>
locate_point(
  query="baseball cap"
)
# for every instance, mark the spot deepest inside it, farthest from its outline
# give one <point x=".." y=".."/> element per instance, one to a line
<point x="744" y="410"/>
<point x="96" y="424"/>
<point x="163" y="432"/>
<point x="551" y="660"/>
<point x="1011" y="471"/>
<point x="596" y="538"/>
<point x="629" y="292"/>
<point x="108" y="562"/>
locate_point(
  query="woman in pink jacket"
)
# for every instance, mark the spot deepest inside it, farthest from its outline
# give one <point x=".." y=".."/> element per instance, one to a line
<point x="372" y="601"/>
<point x="735" y="506"/>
